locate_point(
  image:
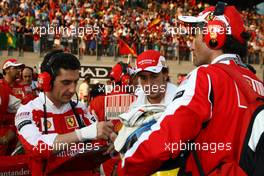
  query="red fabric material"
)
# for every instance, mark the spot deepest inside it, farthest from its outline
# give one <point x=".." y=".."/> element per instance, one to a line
<point x="109" y="165"/>
<point x="15" y="164"/>
<point x="116" y="72"/>
<point x="148" y="59"/>
<point x="52" y="4"/>
<point x="192" y="2"/>
<point x="6" y="119"/>
<point x="23" y="92"/>
<point x="4" y="97"/>
<point x="125" y="49"/>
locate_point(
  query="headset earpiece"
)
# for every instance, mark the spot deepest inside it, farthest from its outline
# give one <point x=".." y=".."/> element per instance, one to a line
<point x="215" y="35"/>
<point x="45" y="78"/>
<point x="44" y="81"/>
<point x="216" y="30"/>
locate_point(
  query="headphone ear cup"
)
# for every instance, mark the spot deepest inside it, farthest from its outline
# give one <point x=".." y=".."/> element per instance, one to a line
<point x="215" y="35"/>
<point x="44" y="81"/>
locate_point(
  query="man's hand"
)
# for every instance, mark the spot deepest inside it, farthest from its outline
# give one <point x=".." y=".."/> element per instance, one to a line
<point x="113" y="137"/>
<point x="104" y="130"/>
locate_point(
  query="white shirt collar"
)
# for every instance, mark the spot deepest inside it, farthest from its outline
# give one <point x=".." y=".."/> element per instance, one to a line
<point x="225" y="57"/>
<point x="50" y="105"/>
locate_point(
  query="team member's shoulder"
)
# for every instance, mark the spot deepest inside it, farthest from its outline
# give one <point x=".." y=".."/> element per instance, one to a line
<point x="23" y="116"/>
<point x="187" y="87"/>
<point x="25" y="112"/>
<point x="192" y="76"/>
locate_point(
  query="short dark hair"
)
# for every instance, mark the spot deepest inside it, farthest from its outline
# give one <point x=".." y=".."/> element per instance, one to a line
<point x="234" y="46"/>
<point x="96" y="90"/>
<point x="53" y="62"/>
<point x="165" y="70"/>
<point x="47" y="58"/>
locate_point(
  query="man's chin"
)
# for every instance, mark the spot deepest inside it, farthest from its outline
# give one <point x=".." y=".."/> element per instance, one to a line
<point x="66" y="99"/>
<point x="153" y="96"/>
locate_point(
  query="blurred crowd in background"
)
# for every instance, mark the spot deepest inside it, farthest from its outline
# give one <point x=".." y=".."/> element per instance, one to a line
<point x="142" y="24"/>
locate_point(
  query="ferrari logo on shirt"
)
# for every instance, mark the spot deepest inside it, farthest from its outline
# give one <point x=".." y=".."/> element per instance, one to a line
<point x="50" y="124"/>
<point x="70" y="122"/>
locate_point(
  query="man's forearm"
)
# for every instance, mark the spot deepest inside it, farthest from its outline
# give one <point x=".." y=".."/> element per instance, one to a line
<point x="79" y="135"/>
<point x="64" y="140"/>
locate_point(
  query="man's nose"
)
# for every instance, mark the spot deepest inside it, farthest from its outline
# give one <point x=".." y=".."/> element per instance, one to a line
<point x="149" y="81"/>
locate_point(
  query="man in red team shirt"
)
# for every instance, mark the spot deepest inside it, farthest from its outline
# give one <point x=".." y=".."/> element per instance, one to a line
<point x="12" y="73"/>
<point x="52" y="126"/>
<point x="208" y="105"/>
<point x="117" y="101"/>
<point x="10" y="101"/>
<point x="8" y="107"/>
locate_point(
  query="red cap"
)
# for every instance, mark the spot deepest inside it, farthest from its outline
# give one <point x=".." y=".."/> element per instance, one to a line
<point x="11" y="63"/>
<point x="116" y="73"/>
<point x="231" y="17"/>
<point x="121" y="71"/>
<point x="150" y="60"/>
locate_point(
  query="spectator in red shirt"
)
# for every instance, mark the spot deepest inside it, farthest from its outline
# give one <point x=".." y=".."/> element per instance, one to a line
<point x="9" y="103"/>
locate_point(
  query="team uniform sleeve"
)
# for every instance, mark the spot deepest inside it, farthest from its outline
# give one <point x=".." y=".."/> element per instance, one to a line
<point x="34" y="142"/>
<point x="181" y="122"/>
